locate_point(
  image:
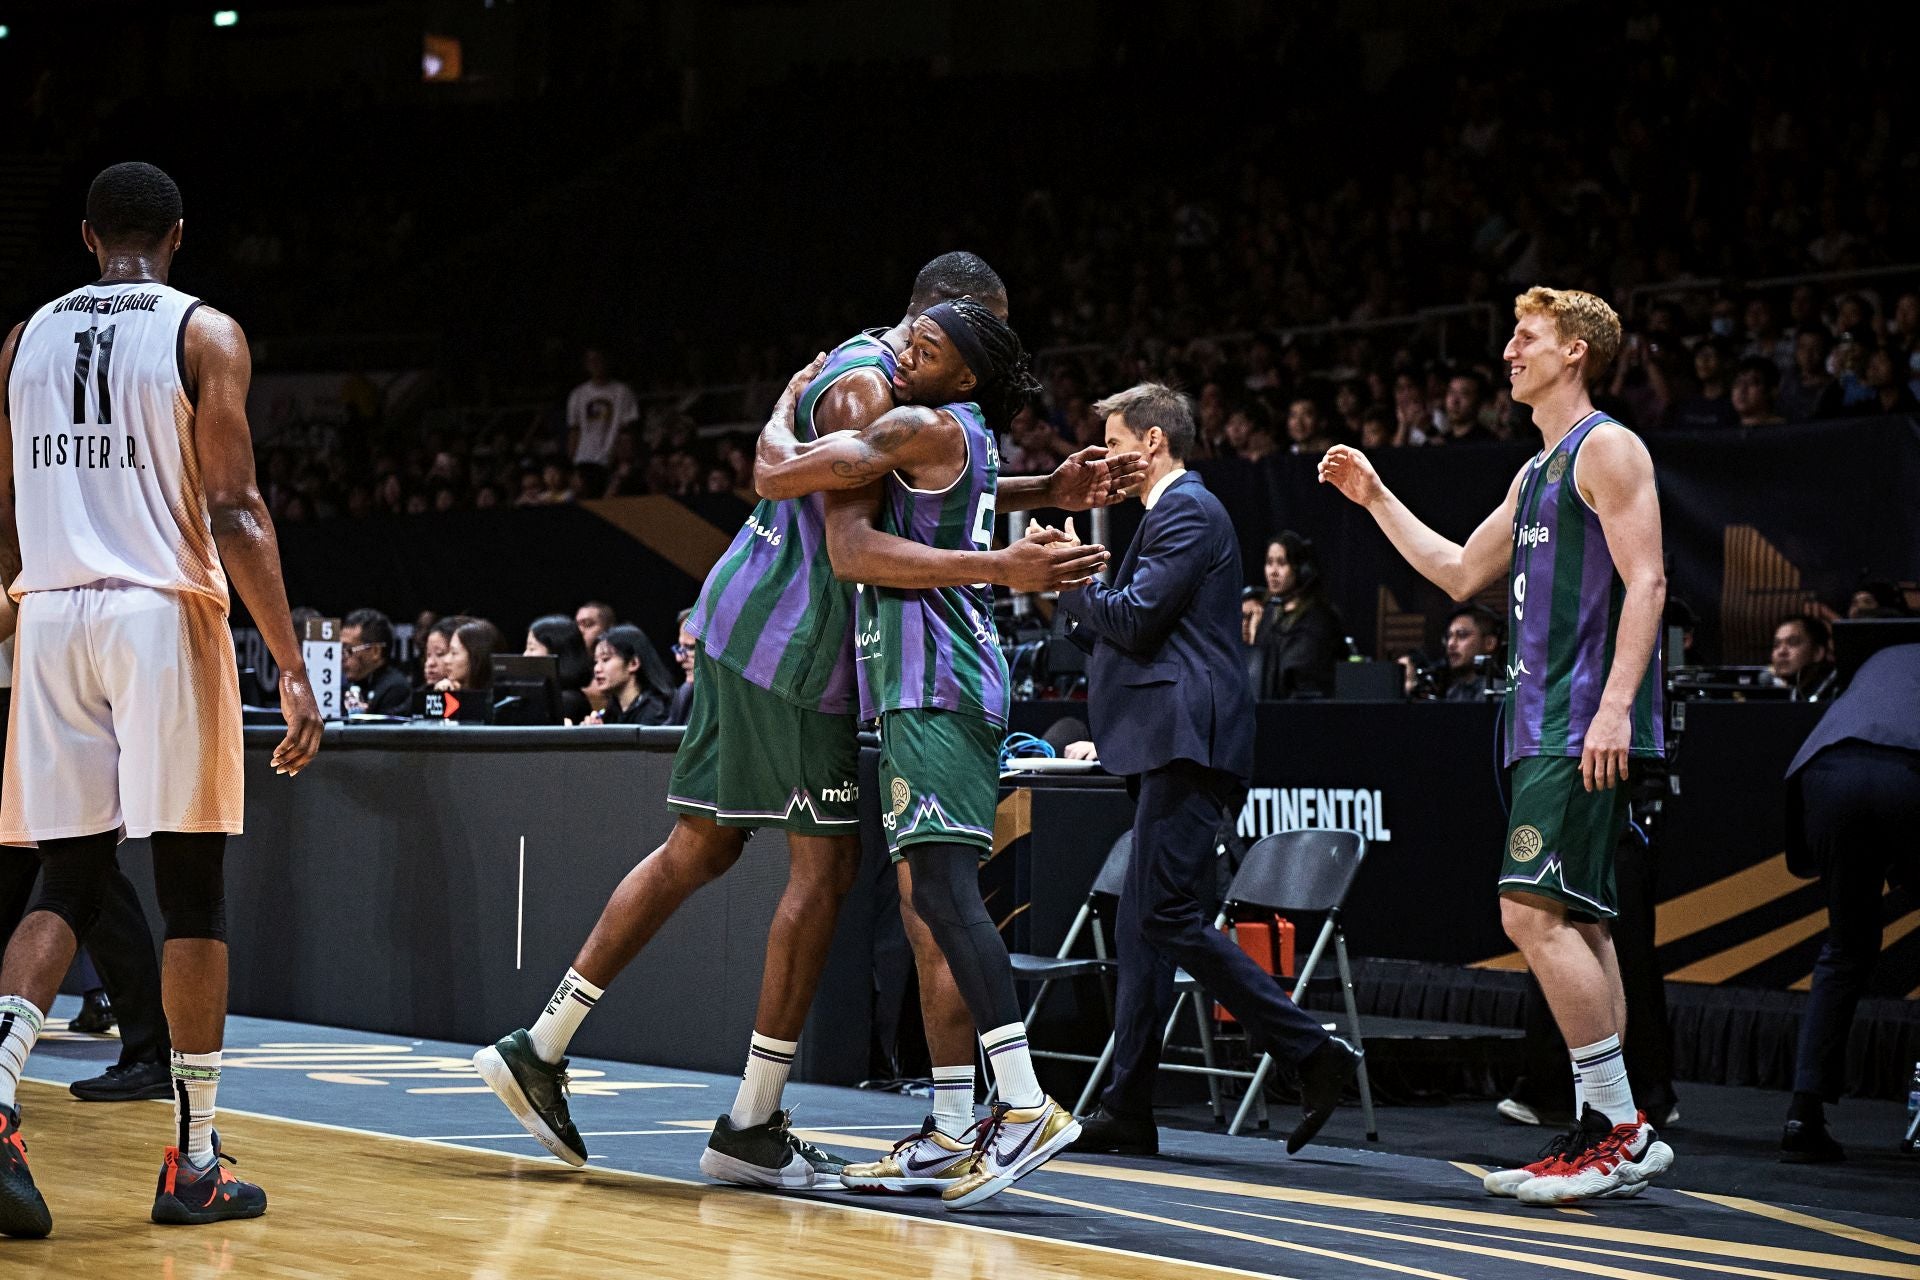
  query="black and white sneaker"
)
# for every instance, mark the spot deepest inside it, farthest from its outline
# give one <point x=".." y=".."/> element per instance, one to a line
<point x="768" y="1155"/>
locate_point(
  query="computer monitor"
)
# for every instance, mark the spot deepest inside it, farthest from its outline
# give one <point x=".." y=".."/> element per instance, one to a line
<point x="526" y="691"/>
<point x="1857" y="639"/>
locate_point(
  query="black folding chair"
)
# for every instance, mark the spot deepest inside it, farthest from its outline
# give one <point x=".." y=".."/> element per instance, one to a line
<point x="1064" y="964"/>
<point x="1305" y="873"/>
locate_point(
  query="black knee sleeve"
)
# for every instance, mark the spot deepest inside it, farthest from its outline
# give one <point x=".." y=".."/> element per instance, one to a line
<point x="73" y="879"/>
<point x="189" y="880"/>
<point x="946" y="885"/>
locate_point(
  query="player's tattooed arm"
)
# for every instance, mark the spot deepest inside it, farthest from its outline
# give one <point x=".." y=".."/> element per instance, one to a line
<point x="906" y="439"/>
<point x="9" y="528"/>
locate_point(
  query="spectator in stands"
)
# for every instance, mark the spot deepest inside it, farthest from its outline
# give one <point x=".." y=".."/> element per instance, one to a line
<point x="1459" y="418"/>
<point x="1889" y="383"/>
<point x="1378" y="429"/>
<point x="1413" y="422"/>
<point x="1805" y="388"/>
<point x="1239" y="434"/>
<point x="1711" y="406"/>
<point x="683" y="653"/>
<point x="1765" y="341"/>
<point x="1300" y="634"/>
<point x="1472" y="638"/>
<point x="1640" y="379"/>
<point x="469" y="662"/>
<point x="555" y="636"/>
<point x="1876" y="598"/>
<point x="632" y="677"/>
<point x="596" y="411"/>
<point x="1752" y="396"/>
<point x="374" y="686"/>
<point x="593" y="618"/>
<point x="1306" y="428"/>
<point x="1803" y="657"/>
<point x="435" y="647"/>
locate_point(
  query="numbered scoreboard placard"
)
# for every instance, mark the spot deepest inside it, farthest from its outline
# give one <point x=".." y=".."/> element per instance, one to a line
<point x="320" y="646"/>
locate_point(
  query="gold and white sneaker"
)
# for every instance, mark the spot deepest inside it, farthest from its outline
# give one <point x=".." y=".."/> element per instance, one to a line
<point x="925" y="1161"/>
<point x="1012" y="1144"/>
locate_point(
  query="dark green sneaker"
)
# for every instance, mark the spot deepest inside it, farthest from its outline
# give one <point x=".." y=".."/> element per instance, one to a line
<point x="768" y="1155"/>
<point x="535" y="1091"/>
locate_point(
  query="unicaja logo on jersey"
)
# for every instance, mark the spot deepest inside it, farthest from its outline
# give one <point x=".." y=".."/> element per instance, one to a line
<point x="771" y="534"/>
<point x="1533" y="535"/>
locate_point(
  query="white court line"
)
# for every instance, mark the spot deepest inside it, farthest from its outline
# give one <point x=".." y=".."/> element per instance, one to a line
<point x="822" y="1202"/>
<point x="522" y="1133"/>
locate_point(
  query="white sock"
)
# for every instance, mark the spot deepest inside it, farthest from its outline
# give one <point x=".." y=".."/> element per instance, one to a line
<point x="1602" y="1073"/>
<point x="19" y="1027"/>
<point x="953" y="1100"/>
<point x="572" y="1001"/>
<point x="196" y="1078"/>
<point x="1012" y="1065"/>
<point x="768" y="1061"/>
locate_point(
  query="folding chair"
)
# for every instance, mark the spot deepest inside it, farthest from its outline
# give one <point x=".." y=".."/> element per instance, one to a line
<point x="1063" y="964"/>
<point x="1311" y="873"/>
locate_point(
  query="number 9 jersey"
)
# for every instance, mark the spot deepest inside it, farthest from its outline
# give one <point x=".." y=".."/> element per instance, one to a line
<point x="106" y="478"/>
<point x="936" y="649"/>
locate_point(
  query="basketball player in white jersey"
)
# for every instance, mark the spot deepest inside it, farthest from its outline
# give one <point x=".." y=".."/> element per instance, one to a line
<point x="127" y="499"/>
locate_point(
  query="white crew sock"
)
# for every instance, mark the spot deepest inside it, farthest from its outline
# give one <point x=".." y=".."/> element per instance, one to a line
<point x="1602" y="1073"/>
<point x="768" y="1061"/>
<point x="196" y="1078"/>
<point x="19" y="1027"/>
<point x="1013" y="1065"/>
<point x="572" y="1001"/>
<point x="953" y="1100"/>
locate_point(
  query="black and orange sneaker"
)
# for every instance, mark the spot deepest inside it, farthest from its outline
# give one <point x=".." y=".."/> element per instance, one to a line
<point x="22" y="1212"/>
<point x="188" y="1196"/>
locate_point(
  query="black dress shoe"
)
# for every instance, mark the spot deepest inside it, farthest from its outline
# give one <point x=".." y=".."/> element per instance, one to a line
<point x="1324" y="1077"/>
<point x="1808" y="1142"/>
<point x="126" y="1082"/>
<point x="1104" y="1133"/>
<point x="95" y="1016"/>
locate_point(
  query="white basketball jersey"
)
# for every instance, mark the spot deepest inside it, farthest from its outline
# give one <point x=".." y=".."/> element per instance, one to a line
<point x="106" y="477"/>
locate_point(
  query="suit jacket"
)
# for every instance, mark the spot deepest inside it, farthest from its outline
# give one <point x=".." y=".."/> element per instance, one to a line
<point x="1167" y="679"/>
<point x="1880" y="707"/>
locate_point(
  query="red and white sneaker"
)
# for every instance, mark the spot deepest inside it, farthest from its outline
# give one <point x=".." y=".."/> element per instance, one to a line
<point x="1606" y="1163"/>
<point x="1507" y="1182"/>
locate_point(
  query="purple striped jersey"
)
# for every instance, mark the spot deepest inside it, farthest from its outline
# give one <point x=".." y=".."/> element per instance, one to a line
<point x="771" y="608"/>
<point x="1563" y="605"/>
<point x="936" y="648"/>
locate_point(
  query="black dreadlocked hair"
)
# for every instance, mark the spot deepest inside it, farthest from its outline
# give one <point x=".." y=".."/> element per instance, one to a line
<point x="1007" y="384"/>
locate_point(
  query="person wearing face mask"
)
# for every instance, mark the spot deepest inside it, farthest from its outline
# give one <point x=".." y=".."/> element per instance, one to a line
<point x="1300" y="636"/>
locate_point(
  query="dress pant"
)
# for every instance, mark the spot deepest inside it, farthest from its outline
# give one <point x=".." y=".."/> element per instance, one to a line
<point x="1164" y="923"/>
<point x="1861" y="806"/>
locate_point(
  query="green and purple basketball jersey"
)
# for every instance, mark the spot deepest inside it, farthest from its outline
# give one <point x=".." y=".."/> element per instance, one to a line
<point x="1563" y="605"/>
<point x="936" y="649"/>
<point x="771" y="608"/>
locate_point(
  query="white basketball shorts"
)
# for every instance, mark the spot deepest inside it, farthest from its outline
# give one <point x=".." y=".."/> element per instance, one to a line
<point x="126" y="716"/>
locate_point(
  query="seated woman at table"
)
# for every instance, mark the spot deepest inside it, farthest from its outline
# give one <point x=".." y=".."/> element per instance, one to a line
<point x="633" y="676"/>
<point x="469" y="662"/>
<point x="1300" y="638"/>
<point x="436" y="641"/>
<point x="556" y="636"/>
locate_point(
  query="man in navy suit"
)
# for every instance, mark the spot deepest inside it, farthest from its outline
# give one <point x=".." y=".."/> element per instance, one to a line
<point x="1172" y="711"/>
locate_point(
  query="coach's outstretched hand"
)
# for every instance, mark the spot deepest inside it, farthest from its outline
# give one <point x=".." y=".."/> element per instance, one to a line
<point x="1347" y="469"/>
<point x="1048" y="560"/>
<point x="1093" y="478"/>
<point x="302" y="743"/>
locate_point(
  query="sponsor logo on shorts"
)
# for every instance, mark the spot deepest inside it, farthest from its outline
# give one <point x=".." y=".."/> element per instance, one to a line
<point x="1556" y="468"/>
<point x="845" y="793"/>
<point x="1525" y="844"/>
<point x="902" y="796"/>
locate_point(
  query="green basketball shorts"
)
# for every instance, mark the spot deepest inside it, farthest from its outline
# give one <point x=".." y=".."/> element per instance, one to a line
<point x="1561" y="837"/>
<point x="750" y="758"/>
<point x="939" y="779"/>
